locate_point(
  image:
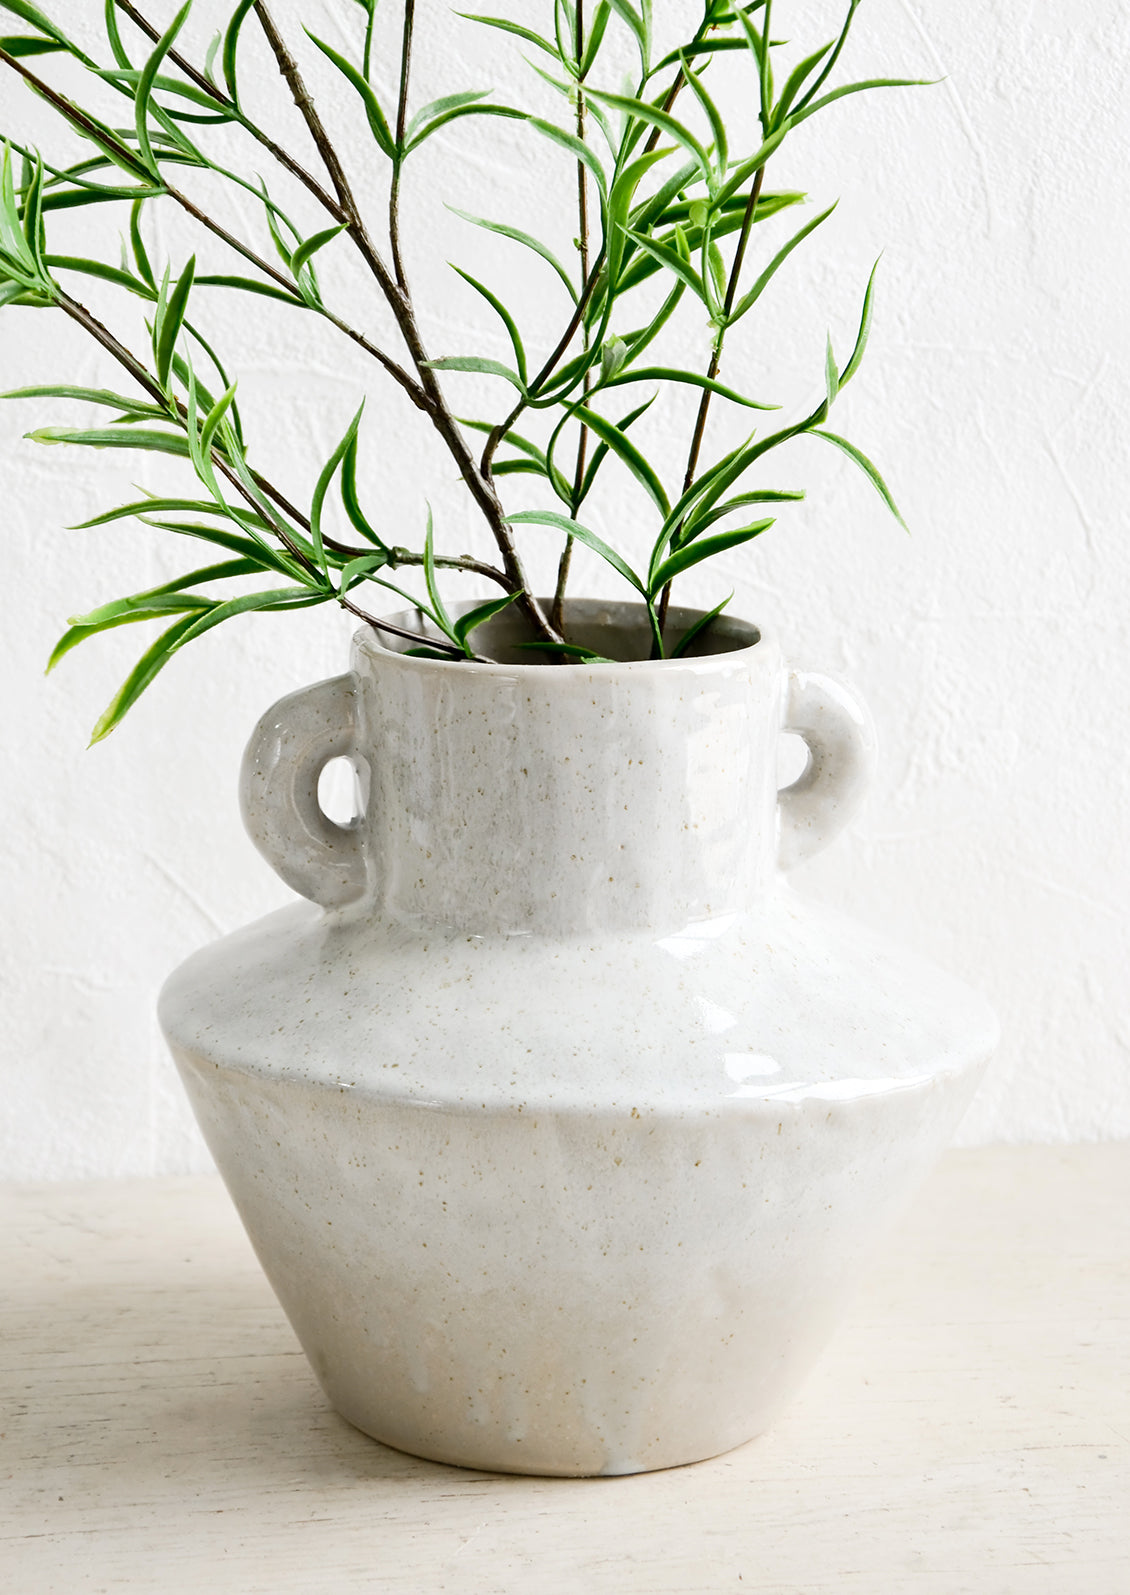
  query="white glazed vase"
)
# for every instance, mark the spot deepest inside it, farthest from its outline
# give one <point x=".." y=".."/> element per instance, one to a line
<point x="560" y="1124"/>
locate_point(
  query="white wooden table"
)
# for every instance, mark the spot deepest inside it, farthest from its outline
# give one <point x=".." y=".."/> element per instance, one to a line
<point x="967" y="1431"/>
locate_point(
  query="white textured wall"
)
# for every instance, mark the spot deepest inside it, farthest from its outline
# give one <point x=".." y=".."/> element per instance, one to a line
<point x="991" y="644"/>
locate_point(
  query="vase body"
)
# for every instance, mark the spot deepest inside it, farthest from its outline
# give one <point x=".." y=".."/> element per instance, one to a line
<point x="559" y="1123"/>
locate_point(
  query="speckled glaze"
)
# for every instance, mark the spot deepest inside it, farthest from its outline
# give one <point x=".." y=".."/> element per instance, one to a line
<point x="560" y="1124"/>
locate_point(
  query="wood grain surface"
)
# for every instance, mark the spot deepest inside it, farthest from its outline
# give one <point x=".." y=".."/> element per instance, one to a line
<point x="966" y="1433"/>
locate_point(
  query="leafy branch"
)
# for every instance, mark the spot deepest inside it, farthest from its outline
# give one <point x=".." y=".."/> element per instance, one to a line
<point x="660" y="185"/>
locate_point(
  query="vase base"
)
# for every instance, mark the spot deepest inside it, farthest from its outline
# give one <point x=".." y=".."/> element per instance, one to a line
<point x="490" y="1463"/>
<point x="620" y="1257"/>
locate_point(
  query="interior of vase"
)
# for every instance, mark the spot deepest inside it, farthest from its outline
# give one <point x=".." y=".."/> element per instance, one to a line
<point x="616" y="631"/>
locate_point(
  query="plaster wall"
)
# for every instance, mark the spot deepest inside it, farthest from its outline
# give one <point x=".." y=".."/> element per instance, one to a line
<point x="991" y="643"/>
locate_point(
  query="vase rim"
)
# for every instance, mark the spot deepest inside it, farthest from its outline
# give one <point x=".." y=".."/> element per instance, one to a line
<point x="595" y="615"/>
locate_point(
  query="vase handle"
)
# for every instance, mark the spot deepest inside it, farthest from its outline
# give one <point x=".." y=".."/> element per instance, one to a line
<point x="840" y="736"/>
<point x="278" y="792"/>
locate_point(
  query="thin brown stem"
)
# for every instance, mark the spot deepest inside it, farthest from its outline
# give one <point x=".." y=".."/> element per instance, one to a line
<point x="102" y="334"/>
<point x="301" y="96"/>
<point x="478" y="482"/>
<point x="463" y="562"/>
<point x="153" y="34"/>
<point x="398" y="158"/>
<point x="716" y="361"/>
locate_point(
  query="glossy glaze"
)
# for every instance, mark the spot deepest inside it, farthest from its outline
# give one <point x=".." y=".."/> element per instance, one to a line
<point x="561" y="1125"/>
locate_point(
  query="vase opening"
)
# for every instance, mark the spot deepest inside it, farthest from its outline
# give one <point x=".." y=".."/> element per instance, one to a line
<point x="619" y="632"/>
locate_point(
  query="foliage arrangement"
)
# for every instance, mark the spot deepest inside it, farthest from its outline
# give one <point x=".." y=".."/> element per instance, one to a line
<point x="666" y="210"/>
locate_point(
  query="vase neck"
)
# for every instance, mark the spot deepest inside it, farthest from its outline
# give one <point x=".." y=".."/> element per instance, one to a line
<point x="560" y="800"/>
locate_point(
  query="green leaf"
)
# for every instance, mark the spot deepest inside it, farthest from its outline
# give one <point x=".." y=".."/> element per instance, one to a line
<point x="98" y="268"/>
<point x="378" y="122"/>
<point x="33" y="219"/>
<point x="521" y="238"/>
<point x="536" y="461"/>
<point x="703" y="548"/>
<point x="511" y="27"/>
<point x="523" y="467"/>
<point x="795" y="82"/>
<point x="249" y="285"/>
<point x="349" y="498"/>
<point x="304" y="251"/>
<point x="38" y="19"/>
<point x="129" y="77"/>
<point x="601" y="452"/>
<point x="696" y="630"/>
<point x="811" y="109"/>
<point x="713" y="116"/>
<point x="24" y="45"/>
<point x="129" y="617"/>
<point x="109" y="438"/>
<point x="447" y="102"/>
<point x="692" y="378"/>
<point x="184" y="374"/>
<point x="170" y="595"/>
<point x="746" y="169"/>
<point x="94" y="194"/>
<point x="455" y="115"/>
<point x="759" y="44"/>
<point x="597" y="29"/>
<point x="507" y="319"/>
<point x="576" y="147"/>
<point x="474" y="618"/>
<point x="358" y="568"/>
<point x="115" y="401"/>
<point x="214" y="417"/>
<point x="321" y="488"/>
<point x="439" y="107"/>
<point x="697" y="47"/>
<point x="865" y="465"/>
<point x="666" y="256"/>
<point x="829" y="64"/>
<point x="250" y="547"/>
<point x="231" y="46"/>
<point x="635" y="22"/>
<point x="167" y="327"/>
<point x="628" y="453"/>
<point x="749" y="299"/>
<point x="438" y="610"/>
<point x="493" y="368"/>
<point x="571" y="650"/>
<point x="620" y="204"/>
<point x="582" y="534"/>
<point x="139" y="678"/>
<point x="735" y="206"/>
<point x="864" y="331"/>
<point x="186" y="630"/>
<point x="210" y="55"/>
<point x="145" y="506"/>
<point x="137" y="243"/>
<point x="656" y="117"/>
<point x="146" y="82"/>
<point x="695" y="524"/>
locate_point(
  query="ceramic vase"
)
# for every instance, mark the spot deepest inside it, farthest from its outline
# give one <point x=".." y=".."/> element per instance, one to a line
<point x="560" y="1124"/>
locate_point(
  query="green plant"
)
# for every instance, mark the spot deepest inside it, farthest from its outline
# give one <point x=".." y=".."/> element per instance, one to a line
<point x="657" y="196"/>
